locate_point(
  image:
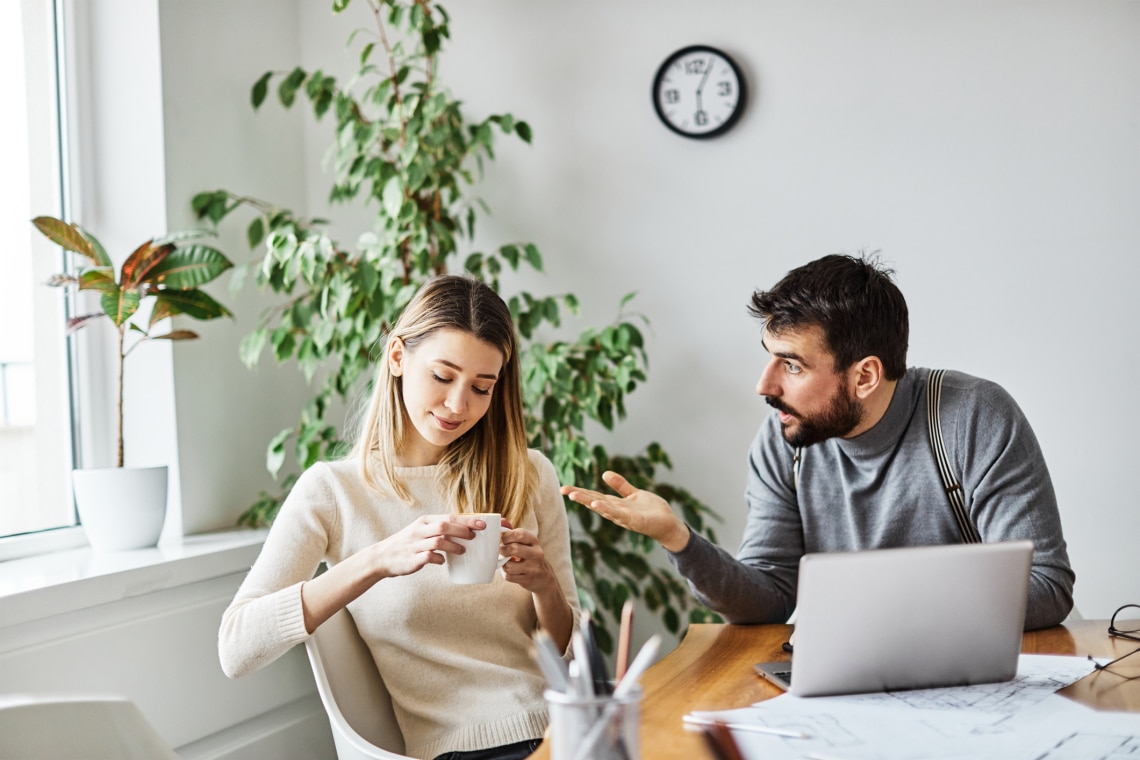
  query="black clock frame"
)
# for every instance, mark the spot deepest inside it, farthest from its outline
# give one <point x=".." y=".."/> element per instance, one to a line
<point x="740" y="102"/>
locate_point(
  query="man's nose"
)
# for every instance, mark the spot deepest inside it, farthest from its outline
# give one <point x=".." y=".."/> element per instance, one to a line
<point x="766" y="385"/>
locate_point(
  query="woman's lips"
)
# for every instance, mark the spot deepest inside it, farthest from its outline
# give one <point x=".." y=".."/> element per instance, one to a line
<point x="446" y="424"/>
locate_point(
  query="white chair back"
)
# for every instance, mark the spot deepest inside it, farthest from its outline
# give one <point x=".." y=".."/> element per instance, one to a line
<point x="354" y="695"/>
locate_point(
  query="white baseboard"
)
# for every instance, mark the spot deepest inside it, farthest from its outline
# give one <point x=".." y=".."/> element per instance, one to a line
<point x="298" y="730"/>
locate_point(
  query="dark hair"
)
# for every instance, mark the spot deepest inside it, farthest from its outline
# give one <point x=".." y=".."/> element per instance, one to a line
<point x="853" y="300"/>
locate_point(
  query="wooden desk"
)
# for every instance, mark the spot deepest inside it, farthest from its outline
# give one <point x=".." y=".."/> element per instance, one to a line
<point x="712" y="670"/>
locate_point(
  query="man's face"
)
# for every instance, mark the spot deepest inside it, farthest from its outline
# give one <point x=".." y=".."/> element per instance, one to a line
<point x="814" y="401"/>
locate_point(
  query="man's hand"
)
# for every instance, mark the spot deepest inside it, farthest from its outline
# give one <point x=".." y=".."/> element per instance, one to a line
<point x="633" y="509"/>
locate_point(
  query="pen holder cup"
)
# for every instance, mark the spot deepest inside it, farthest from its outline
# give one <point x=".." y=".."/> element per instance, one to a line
<point x="594" y="728"/>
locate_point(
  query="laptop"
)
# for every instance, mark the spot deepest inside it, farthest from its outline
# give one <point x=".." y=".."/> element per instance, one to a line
<point x="910" y="618"/>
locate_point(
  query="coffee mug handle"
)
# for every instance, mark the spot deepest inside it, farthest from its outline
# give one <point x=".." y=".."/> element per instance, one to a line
<point x="502" y="560"/>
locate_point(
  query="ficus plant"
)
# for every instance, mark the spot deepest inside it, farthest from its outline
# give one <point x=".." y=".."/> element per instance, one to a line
<point x="160" y="271"/>
<point x="404" y="149"/>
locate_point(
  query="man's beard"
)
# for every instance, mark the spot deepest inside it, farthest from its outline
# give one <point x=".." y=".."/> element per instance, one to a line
<point x="840" y="417"/>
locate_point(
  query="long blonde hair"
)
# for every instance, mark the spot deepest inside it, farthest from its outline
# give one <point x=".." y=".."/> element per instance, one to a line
<point x="487" y="469"/>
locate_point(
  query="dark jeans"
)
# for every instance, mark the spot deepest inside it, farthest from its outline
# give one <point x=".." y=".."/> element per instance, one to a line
<point x="517" y="751"/>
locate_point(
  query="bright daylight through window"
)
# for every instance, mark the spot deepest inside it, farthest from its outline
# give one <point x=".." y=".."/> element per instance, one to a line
<point x="35" y="411"/>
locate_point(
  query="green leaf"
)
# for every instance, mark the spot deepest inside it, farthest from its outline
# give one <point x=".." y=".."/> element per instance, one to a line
<point x="275" y="454"/>
<point x="119" y="304"/>
<point x="251" y="347"/>
<point x="533" y="257"/>
<point x="255" y="233"/>
<point x="260" y="90"/>
<point x="188" y="267"/>
<point x="102" y="278"/>
<point x="393" y="196"/>
<point x="73" y="238"/>
<point x="193" y="303"/>
<point x="366" y="52"/>
<point x="523" y="130"/>
<point x="287" y="90"/>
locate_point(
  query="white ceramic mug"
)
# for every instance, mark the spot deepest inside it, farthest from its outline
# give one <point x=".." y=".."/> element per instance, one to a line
<point x="479" y="563"/>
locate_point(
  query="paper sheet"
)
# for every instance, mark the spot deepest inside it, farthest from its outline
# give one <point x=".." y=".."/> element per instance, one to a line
<point x="1017" y="719"/>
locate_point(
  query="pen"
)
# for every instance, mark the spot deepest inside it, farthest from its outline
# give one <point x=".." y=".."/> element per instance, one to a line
<point x="601" y="683"/>
<point x="693" y="720"/>
<point x="627" y="684"/>
<point x="550" y="662"/>
<point x="639" y="665"/>
<point x="585" y="682"/>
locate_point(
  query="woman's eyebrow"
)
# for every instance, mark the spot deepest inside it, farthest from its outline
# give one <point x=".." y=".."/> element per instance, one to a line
<point x="457" y="368"/>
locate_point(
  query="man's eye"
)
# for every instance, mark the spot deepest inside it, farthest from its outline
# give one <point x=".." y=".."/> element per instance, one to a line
<point x="793" y="369"/>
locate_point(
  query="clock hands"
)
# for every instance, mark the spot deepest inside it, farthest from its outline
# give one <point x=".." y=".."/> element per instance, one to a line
<point x="700" y="89"/>
<point x="705" y="78"/>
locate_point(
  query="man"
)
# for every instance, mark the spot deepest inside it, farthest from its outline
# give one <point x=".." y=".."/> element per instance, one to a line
<point x="846" y="462"/>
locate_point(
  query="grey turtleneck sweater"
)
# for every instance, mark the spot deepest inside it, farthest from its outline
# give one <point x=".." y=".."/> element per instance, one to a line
<point x="881" y="489"/>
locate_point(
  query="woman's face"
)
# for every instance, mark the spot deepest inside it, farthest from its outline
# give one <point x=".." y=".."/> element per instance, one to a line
<point x="447" y="381"/>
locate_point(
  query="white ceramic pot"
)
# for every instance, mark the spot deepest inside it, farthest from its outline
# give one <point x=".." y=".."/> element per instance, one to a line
<point x="121" y="508"/>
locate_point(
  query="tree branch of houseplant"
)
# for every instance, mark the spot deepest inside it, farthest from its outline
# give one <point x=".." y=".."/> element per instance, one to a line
<point x="404" y="148"/>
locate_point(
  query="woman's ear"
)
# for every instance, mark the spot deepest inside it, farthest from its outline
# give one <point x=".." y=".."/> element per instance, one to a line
<point x="397" y="352"/>
<point x="867" y="376"/>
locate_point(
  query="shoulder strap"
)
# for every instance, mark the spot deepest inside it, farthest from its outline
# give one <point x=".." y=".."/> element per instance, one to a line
<point x="796" y="466"/>
<point x="938" y="447"/>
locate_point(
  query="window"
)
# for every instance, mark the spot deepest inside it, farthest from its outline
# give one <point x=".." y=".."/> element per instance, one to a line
<point x="35" y="409"/>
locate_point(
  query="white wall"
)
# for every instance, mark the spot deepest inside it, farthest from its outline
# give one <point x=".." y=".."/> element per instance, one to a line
<point x="226" y="413"/>
<point x="988" y="149"/>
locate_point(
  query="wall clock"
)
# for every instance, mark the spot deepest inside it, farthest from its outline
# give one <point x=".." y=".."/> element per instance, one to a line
<point x="699" y="92"/>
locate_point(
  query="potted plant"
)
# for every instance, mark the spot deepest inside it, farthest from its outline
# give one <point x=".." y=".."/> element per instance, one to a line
<point x="404" y="148"/>
<point x="124" y="507"/>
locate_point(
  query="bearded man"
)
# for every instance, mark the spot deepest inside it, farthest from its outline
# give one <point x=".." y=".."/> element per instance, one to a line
<point x="847" y="461"/>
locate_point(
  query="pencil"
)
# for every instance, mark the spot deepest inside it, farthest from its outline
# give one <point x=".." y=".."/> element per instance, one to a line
<point x="623" y="638"/>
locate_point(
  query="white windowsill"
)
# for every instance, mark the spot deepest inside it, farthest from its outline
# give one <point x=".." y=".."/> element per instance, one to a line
<point x="37" y="587"/>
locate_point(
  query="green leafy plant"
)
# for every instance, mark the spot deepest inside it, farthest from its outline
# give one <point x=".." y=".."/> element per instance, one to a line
<point x="403" y="147"/>
<point x="158" y="270"/>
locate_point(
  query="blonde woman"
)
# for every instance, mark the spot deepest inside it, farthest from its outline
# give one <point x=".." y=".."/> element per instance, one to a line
<point x="442" y="440"/>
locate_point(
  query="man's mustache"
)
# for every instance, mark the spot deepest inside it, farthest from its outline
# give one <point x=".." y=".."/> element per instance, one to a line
<point x="776" y="403"/>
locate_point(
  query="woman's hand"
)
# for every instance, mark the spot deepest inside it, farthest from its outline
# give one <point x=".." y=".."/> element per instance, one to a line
<point x="422" y="543"/>
<point x="527" y="565"/>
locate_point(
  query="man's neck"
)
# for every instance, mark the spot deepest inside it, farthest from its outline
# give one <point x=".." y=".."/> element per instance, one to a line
<point x="875" y="406"/>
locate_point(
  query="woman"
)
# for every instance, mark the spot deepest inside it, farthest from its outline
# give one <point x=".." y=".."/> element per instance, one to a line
<point x="443" y="439"/>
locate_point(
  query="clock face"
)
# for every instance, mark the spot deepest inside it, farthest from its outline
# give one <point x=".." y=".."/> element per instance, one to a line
<point x="698" y="92"/>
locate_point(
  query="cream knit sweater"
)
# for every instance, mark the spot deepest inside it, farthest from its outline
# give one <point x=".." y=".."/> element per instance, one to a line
<point x="456" y="659"/>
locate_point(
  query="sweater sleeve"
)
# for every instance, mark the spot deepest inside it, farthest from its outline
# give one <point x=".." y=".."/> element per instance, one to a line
<point x="554" y="529"/>
<point x="265" y="618"/>
<point x="1011" y="496"/>
<point x="759" y="584"/>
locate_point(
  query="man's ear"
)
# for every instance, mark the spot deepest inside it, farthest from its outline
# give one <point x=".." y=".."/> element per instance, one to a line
<point x="397" y="352"/>
<point x="866" y="375"/>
